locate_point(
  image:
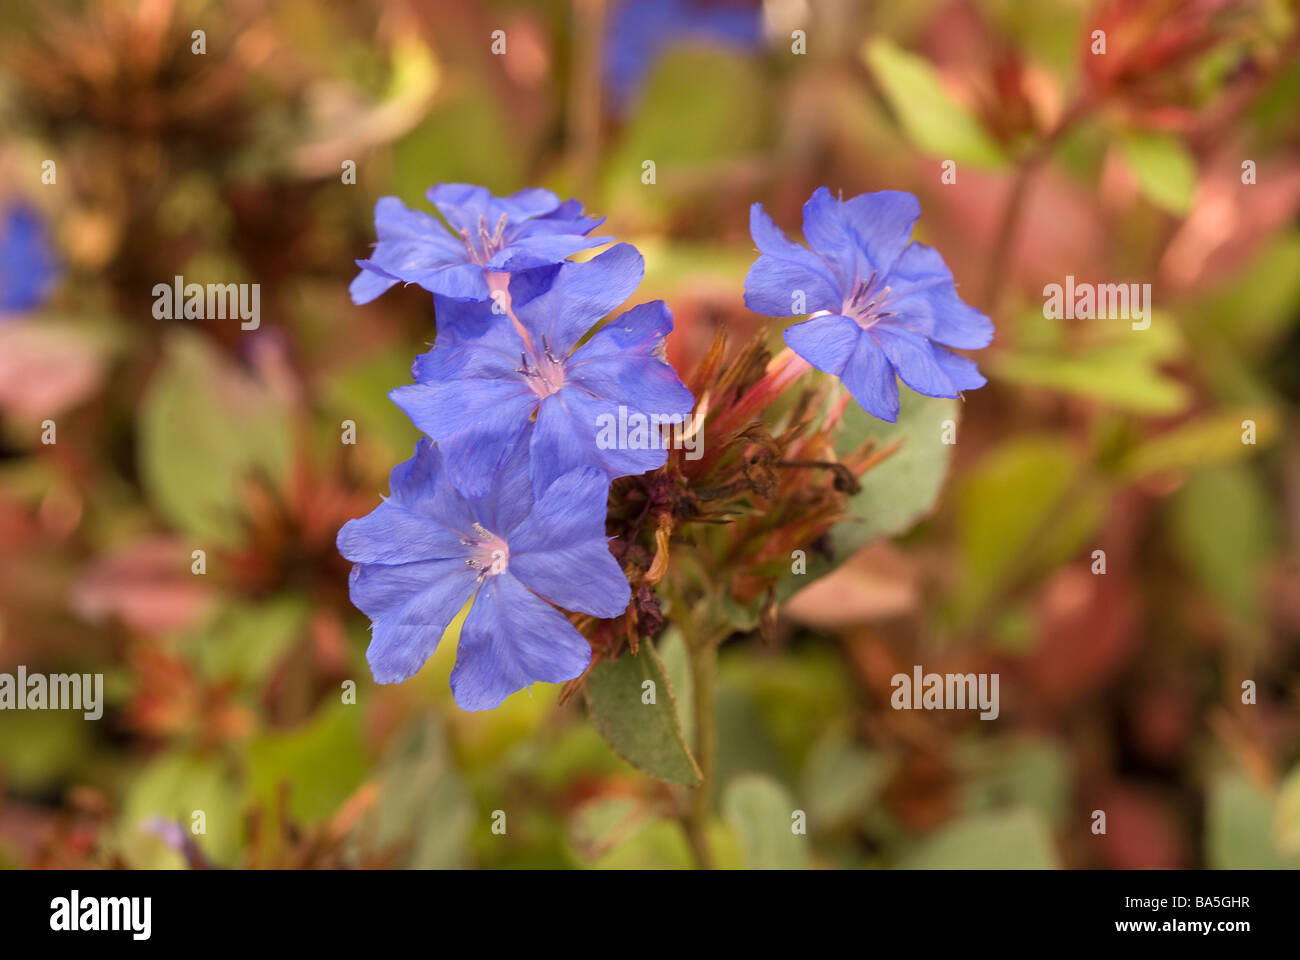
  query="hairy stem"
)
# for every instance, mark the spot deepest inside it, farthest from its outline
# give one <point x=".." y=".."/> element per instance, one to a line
<point x="704" y="680"/>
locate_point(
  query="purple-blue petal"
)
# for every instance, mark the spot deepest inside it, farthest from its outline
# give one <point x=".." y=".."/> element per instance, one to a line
<point x="569" y="424"/>
<point x="511" y="639"/>
<point x="913" y="357"/>
<point x="871" y="381"/>
<point x="528" y="253"/>
<point x="561" y="552"/>
<point x="475" y="422"/>
<point x="829" y="234"/>
<point x="623" y="362"/>
<point x="371" y="283"/>
<point x="579" y="296"/>
<point x="882" y="223"/>
<point x="962" y="371"/>
<point x="827" y="342"/>
<point x="411" y="606"/>
<point x="924" y="295"/>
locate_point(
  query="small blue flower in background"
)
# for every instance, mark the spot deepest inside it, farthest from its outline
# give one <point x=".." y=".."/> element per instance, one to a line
<point x="528" y="229"/>
<point x="427" y="550"/>
<point x="640" y="30"/>
<point x="490" y="384"/>
<point x="28" y="269"/>
<point x="887" y="307"/>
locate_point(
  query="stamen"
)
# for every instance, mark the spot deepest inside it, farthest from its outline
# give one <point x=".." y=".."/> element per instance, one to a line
<point x="865" y="306"/>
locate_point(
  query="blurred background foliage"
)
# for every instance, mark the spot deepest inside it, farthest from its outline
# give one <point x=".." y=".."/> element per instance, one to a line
<point x="1120" y="691"/>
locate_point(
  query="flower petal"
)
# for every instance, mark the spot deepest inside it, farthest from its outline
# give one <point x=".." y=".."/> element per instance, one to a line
<point x="475" y="422"/>
<point x="460" y="281"/>
<point x="411" y="605"/>
<point x="962" y="371"/>
<point x="510" y="639"/>
<point x="474" y="343"/>
<point x="870" y="378"/>
<point x="573" y="429"/>
<point x="827" y="342"/>
<point x="527" y="203"/>
<point x="510" y="499"/>
<point x="461" y="204"/>
<point x="581" y="294"/>
<point x="561" y="552"/>
<point x="394" y="221"/>
<point x="784" y="271"/>
<point x="828" y="232"/>
<point x="370" y="284"/>
<point x="528" y="253"/>
<point x="424" y="518"/>
<point x="924" y="296"/>
<point x="623" y="363"/>
<point x="913" y="357"/>
<point x="392" y="534"/>
<point x="882" y="223"/>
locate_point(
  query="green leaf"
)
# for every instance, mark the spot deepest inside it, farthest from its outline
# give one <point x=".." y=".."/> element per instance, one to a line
<point x="896" y="493"/>
<point x="1286" y="816"/>
<point x="42" y="747"/>
<point x="424" y="814"/>
<point x="601" y="824"/>
<point x="1022" y="509"/>
<point x="248" y="640"/>
<point x="1012" y="840"/>
<point x="902" y="489"/>
<point x="660" y="844"/>
<point x="1239" y="828"/>
<point x="1258" y="304"/>
<point x="646" y="735"/>
<point x="360" y="393"/>
<point x="1165" y="170"/>
<point x="761" y="811"/>
<point x="700" y="109"/>
<point x="465" y="138"/>
<point x="934" y="120"/>
<point x="322" y="763"/>
<point x="671" y="648"/>
<point x="206" y="426"/>
<point x="1205" y="441"/>
<point x="1025" y="771"/>
<point x="173" y="787"/>
<point x="1223" y="521"/>
<point x="1119" y="375"/>
<point x="840" y="781"/>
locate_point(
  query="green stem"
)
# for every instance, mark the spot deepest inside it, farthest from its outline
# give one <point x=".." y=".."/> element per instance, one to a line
<point x="704" y="681"/>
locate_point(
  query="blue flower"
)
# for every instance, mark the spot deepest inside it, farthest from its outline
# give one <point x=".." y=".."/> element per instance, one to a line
<point x="27" y="266"/>
<point x="640" y="30"/>
<point x="497" y="379"/>
<point x="426" y="551"/>
<point x="530" y="228"/>
<point x="881" y="306"/>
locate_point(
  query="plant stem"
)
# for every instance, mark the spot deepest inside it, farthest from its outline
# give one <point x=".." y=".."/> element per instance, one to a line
<point x="584" y="93"/>
<point x="703" y="652"/>
<point x="1004" y="241"/>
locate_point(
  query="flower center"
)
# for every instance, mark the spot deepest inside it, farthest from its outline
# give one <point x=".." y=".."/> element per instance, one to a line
<point x="489" y="554"/>
<point x="867" y="305"/>
<point x="482" y="246"/>
<point x="544" y="373"/>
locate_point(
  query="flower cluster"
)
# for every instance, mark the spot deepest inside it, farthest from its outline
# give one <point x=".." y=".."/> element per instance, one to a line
<point x="881" y="307"/>
<point x="503" y="505"/>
